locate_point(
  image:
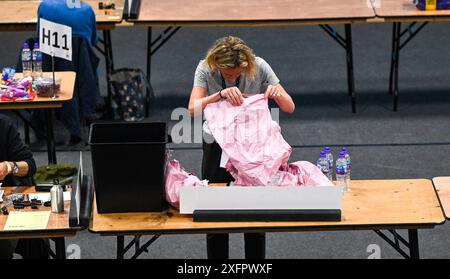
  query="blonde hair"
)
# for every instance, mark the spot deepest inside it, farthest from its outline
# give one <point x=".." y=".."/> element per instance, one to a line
<point x="229" y="53"/>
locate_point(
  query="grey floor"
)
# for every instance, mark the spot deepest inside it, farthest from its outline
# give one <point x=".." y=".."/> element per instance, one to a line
<point x="411" y="143"/>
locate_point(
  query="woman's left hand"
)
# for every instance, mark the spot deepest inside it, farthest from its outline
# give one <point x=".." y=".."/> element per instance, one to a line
<point x="272" y="92"/>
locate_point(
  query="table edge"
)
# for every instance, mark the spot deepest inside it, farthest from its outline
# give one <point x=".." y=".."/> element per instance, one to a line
<point x="53" y="233"/>
<point x="335" y="227"/>
<point x="273" y="229"/>
<point x="439" y="199"/>
<point x="274" y="22"/>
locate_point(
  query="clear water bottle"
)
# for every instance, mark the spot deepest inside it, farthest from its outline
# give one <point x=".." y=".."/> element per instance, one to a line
<point x="329" y="158"/>
<point x="323" y="165"/>
<point x="27" y="63"/>
<point x="349" y="165"/>
<point x="37" y="62"/>
<point x="341" y="172"/>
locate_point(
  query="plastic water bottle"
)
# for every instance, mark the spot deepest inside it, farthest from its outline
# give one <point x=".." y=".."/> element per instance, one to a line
<point x="341" y="172"/>
<point x="27" y="64"/>
<point x="329" y="158"/>
<point x="37" y="62"/>
<point x="323" y="165"/>
<point x="349" y="165"/>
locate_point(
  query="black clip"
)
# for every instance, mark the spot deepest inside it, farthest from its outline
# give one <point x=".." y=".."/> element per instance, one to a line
<point x="26" y="203"/>
<point x="36" y="202"/>
<point x="19" y="200"/>
<point x="104" y="6"/>
<point x="19" y="206"/>
<point x="5" y="210"/>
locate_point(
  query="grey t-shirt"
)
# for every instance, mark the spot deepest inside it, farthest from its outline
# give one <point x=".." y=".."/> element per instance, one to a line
<point x="212" y="81"/>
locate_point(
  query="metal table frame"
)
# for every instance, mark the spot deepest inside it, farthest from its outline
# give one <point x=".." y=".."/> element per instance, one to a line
<point x="345" y="41"/>
<point x="394" y="239"/>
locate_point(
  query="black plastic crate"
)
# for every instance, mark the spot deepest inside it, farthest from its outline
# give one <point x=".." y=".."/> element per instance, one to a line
<point x="128" y="161"/>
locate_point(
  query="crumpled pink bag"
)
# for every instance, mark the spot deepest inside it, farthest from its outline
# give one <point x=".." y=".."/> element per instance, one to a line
<point x="176" y="178"/>
<point x="258" y="154"/>
<point x="302" y="173"/>
<point x="250" y="138"/>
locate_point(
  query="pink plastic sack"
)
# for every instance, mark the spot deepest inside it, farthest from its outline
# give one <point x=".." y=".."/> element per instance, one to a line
<point x="176" y="178"/>
<point x="302" y="173"/>
<point x="258" y="154"/>
<point x="250" y="138"/>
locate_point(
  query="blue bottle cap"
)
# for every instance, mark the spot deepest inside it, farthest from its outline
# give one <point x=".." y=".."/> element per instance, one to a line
<point x="25" y="45"/>
<point x="342" y="154"/>
<point x="36" y="45"/>
<point x="345" y="149"/>
<point x="327" y="149"/>
<point x="323" y="154"/>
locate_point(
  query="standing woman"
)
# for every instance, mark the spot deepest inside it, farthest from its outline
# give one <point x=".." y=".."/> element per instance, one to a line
<point x="232" y="72"/>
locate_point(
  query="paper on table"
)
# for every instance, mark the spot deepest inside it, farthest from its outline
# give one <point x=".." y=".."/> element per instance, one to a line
<point x="22" y="221"/>
<point x="1" y="195"/>
<point x="224" y="159"/>
<point x="46" y="196"/>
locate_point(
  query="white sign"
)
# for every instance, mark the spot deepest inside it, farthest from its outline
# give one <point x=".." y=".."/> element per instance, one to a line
<point x="72" y="4"/>
<point x="55" y="39"/>
<point x="257" y="198"/>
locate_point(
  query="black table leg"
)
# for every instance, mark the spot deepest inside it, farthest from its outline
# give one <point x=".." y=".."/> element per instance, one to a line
<point x="393" y="61"/>
<point x="153" y="45"/>
<point x="399" y="242"/>
<point x="397" y="45"/>
<point x="350" y="72"/>
<point x="397" y="31"/>
<point x="50" y="137"/>
<point x="108" y="41"/>
<point x="120" y="247"/>
<point x="149" y="71"/>
<point x="414" y="244"/>
<point x="149" y="52"/>
<point x="109" y="61"/>
<point x="60" y="248"/>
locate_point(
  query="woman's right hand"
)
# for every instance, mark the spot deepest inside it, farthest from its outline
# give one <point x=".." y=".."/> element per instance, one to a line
<point x="3" y="170"/>
<point x="233" y="96"/>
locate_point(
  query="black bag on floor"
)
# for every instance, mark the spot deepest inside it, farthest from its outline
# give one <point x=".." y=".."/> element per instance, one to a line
<point x="131" y="94"/>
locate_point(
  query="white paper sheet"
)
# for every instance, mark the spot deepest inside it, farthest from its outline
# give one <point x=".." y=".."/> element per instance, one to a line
<point x="223" y="159"/>
<point x="21" y="221"/>
<point x="46" y="196"/>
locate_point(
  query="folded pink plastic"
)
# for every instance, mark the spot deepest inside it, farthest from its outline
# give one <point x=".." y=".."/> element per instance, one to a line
<point x="304" y="174"/>
<point x="176" y="178"/>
